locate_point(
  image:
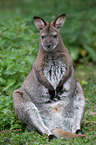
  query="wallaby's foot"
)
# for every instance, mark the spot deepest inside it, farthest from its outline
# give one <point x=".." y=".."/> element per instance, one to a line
<point x="58" y="133"/>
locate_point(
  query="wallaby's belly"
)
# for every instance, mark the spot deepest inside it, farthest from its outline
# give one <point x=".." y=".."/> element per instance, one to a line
<point x="54" y="72"/>
<point x="58" y="114"/>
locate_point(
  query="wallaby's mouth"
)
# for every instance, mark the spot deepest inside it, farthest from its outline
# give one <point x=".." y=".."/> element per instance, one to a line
<point x="49" y="47"/>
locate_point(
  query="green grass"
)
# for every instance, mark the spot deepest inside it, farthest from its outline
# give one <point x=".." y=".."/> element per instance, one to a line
<point x="19" y="40"/>
<point x="17" y="133"/>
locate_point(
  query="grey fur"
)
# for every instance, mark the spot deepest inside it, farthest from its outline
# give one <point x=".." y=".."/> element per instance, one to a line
<point x="32" y="102"/>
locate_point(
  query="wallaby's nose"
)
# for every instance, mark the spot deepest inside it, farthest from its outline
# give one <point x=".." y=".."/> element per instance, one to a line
<point x="48" y="45"/>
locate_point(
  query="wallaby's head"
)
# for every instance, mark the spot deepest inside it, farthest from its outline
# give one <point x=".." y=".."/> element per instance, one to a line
<point x="50" y="36"/>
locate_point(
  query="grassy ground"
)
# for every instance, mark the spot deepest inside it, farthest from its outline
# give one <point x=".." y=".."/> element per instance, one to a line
<point x="86" y="74"/>
<point x="18" y="50"/>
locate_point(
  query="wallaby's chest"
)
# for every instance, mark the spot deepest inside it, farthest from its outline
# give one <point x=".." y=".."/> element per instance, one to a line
<point x="54" y="71"/>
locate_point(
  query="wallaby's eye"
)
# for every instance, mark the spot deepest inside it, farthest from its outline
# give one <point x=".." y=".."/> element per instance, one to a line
<point x="43" y="37"/>
<point x="55" y="36"/>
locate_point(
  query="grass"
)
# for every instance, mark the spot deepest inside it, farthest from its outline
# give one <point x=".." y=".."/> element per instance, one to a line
<point x="19" y="40"/>
<point x="19" y="135"/>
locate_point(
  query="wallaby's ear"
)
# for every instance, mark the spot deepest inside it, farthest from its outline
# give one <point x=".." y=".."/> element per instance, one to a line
<point x="59" y="21"/>
<point x="39" y="22"/>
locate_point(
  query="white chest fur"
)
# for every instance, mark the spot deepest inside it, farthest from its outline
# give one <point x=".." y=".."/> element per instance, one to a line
<point x="54" y="72"/>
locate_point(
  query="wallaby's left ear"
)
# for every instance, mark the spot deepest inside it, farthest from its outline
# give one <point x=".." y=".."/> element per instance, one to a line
<point x="59" y="21"/>
<point x="39" y="22"/>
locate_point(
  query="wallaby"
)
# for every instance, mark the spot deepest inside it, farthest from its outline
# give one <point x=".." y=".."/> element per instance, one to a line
<point x="50" y="100"/>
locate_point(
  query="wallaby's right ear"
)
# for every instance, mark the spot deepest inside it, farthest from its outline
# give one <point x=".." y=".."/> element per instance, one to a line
<point x="59" y="21"/>
<point x="39" y="22"/>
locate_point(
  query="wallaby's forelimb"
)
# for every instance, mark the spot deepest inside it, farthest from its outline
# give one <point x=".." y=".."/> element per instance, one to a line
<point x="65" y="77"/>
<point x="43" y="80"/>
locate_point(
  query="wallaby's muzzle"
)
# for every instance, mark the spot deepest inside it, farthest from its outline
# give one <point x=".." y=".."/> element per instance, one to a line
<point x="48" y="45"/>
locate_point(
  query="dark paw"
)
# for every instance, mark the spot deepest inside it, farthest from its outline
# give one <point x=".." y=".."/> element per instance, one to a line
<point x="79" y="131"/>
<point x="52" y="136"/>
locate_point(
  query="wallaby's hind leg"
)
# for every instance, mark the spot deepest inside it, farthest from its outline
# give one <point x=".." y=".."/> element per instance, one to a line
<point x="28" y="112"/>
<point x="79" y="103"/>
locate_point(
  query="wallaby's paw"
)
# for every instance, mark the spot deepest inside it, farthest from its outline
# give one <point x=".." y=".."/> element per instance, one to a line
<point x="19" y="92"/>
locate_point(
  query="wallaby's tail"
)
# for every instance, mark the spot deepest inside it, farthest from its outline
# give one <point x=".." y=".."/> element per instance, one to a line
<point x="58" y="133"/>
